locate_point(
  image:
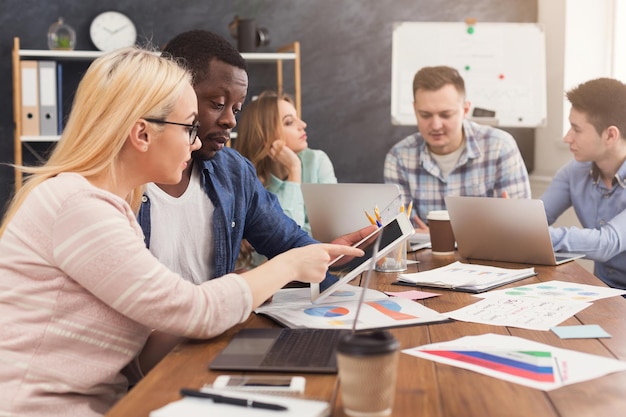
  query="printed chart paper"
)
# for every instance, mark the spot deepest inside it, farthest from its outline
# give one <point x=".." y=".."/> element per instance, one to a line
<point x="293" y="308"/>
<point x="559" y="290"/>
<point x="522" y="312"/>
<point x="519" y="360"/>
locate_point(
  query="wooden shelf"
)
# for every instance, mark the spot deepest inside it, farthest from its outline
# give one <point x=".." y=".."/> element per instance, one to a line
<point x="289" y="52"/>
<point x="59" y="55"/>
<point x="259" y="57"/>
<point x="268" y="57"/>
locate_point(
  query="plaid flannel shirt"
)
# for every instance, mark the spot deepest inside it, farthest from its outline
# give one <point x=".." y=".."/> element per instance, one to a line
<point x="490" y="164"/>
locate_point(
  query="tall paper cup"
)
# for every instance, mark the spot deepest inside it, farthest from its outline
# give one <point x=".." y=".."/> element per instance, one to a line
<point x="441" y="236"/>
<point x="368" y="366"/>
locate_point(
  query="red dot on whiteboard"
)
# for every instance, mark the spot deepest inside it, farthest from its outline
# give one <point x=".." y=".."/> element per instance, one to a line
<point x="501" y="76"/>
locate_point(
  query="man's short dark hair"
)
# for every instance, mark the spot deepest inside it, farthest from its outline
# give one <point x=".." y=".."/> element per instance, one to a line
<point x="196" y="48"/>
<point x="603" y="100"/>
<point x="434" y="78"/>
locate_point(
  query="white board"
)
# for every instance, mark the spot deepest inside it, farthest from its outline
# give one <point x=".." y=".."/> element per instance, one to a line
<point x="503" y="65"/>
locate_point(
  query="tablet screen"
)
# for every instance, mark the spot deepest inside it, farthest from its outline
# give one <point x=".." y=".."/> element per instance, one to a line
<point x="345" y="269"/>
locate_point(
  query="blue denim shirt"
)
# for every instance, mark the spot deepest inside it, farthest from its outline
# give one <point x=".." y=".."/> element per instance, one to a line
<point x="601" y="212"/>
<point x="243" y="210"/>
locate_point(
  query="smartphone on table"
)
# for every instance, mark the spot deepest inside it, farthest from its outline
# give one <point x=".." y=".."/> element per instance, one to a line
<point x="263" y="384"/>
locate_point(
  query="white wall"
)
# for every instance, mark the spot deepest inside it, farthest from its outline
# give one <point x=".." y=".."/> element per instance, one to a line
<point x="578" y="48"/>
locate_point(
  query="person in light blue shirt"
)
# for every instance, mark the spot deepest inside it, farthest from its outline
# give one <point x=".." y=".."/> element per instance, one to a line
<point x="594" y="183"/>
<point x="273" y="137"/>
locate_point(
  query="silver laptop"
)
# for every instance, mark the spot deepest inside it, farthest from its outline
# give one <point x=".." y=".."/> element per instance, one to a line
<point x="336" y="209"/>
<point x="501" y="229"/>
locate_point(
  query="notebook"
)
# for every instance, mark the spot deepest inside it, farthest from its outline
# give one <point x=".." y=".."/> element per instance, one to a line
<point x="336" y="209"/>
<point x="503" y="229"/>
<point x="284" y="349"/>
<point x="200" y="407"/>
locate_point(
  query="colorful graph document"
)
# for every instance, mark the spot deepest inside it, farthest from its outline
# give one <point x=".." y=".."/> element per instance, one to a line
<point x="292" y="307"/>
<point x="523" y="312"/>
<point x="519" y="360"/>
<point x="559" y="290"/>
<point x="466" y="277"/>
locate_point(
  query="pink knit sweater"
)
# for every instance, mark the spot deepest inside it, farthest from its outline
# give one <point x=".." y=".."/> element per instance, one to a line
<point x="79" y="295"/>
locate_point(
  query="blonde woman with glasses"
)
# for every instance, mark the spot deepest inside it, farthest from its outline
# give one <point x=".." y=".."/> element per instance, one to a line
<point x="82" y="301"/>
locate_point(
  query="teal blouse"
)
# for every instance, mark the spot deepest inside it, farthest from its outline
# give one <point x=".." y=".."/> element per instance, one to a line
<point x="316" y="168"/>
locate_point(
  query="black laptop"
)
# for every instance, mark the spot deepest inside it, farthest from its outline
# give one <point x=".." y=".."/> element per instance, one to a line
<point x="281" y="349"/>
<point x="285" y="349"/>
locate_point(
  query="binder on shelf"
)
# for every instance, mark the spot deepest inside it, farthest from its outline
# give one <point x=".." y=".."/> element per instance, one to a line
<point x="59" y="98"/>
<point x="48" y="121"/>
<point x="30" y="98"/>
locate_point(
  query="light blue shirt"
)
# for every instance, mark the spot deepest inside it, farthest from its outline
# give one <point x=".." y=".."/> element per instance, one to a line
<point x="601" y="213"/>
<point x="317" y="169"/>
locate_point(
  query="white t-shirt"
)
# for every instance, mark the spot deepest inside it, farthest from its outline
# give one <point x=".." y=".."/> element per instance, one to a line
<point x="181" y="235"/>
<point x="447" y="162"/>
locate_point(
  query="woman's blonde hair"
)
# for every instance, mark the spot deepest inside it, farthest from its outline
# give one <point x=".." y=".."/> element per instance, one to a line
<point x="258" y="127"/>
<point x="118" y="89"/>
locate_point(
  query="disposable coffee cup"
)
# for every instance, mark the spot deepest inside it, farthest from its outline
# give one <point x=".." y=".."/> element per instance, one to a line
<point x="441" y="235"/>
<point x="368" y="366"/>
<point x="394" y="261"/>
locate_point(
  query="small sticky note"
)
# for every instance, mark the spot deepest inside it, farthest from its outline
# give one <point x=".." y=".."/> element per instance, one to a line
<point x="586" y="331"/>
<point x="412" y="295"/>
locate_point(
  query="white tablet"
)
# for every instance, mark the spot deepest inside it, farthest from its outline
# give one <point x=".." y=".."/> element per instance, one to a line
<point x="345" y="269"/>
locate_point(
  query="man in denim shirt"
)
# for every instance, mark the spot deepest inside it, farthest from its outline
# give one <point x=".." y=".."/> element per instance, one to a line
<point x="196" y="226"/>
<point x="595" y="182"/>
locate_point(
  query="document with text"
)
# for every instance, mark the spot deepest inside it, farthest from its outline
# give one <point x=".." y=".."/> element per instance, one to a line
<point x="474" y="278"/>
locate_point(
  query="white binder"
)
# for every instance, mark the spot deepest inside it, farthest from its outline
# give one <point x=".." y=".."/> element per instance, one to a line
<point x="30" y="98"/>
<point x="48" y="120"/>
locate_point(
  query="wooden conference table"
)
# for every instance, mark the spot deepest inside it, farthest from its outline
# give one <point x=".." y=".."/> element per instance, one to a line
<point x="425" y="388"/>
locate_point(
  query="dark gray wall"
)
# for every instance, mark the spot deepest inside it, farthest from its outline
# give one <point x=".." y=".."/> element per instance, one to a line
<point x="346" y="60"/>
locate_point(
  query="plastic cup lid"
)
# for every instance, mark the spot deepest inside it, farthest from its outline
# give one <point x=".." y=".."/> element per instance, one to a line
<point x="368" y="343"/>
<point x="438" y="215"/>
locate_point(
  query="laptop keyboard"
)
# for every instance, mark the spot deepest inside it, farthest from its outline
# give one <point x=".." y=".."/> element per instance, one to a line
<point x="304" y="347"/>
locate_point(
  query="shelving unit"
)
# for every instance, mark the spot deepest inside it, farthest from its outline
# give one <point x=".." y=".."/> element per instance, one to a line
<point x="290" y="52"/>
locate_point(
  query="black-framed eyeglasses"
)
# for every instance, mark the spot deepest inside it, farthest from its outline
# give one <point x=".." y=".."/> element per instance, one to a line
<point x="193" y="128"/>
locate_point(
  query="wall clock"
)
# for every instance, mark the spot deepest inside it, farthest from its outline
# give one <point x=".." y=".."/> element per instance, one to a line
<point x="112" y="30"/>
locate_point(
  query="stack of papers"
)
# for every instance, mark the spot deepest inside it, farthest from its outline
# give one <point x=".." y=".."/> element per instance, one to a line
<point x="292" y="307"/>
<point x="459" y="276"/>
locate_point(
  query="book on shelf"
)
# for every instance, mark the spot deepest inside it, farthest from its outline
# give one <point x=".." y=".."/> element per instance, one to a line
<point x="48" y="111"/>
<point x="30" y="97"/>
<point x="292" y="308"/>
<point x="459" y="276"/>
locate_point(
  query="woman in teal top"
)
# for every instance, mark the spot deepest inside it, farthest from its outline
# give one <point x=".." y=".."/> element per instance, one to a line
<point x="273" y="138"/>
